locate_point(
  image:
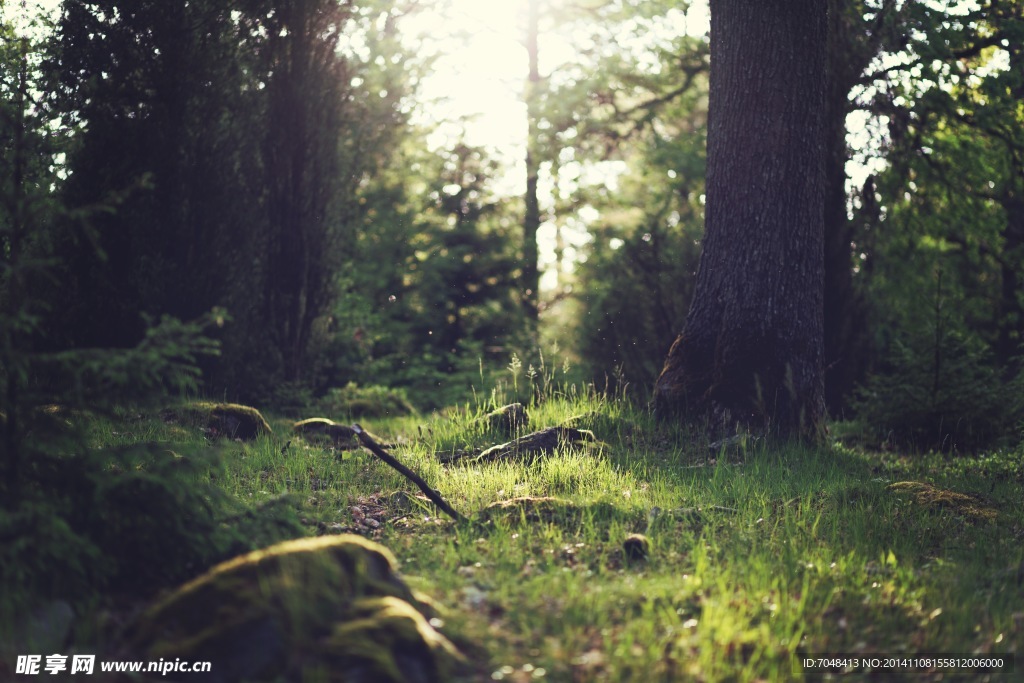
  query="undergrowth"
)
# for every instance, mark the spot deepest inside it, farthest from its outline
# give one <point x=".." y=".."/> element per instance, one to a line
<point x="759" y="555"/>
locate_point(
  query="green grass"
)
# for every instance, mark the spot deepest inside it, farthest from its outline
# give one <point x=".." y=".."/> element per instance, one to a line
<point x="757" y="555"/>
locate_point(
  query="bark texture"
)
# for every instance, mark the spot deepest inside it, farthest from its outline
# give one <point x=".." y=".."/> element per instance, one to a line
<point x="751" y="351"/>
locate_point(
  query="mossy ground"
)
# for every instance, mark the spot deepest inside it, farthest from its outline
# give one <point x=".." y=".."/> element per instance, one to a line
<point x="755" y="556"/>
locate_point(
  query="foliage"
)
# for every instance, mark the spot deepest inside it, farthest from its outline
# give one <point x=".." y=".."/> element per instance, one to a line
<point x="70" y="512"/>
<point x="372" y="401"/>
<point x="947" y="394"/>
<point x="254" y="127"/>
<point x="941" y="223"/>
<point x="624" y="130"/>
<point x="448" y="301"/>
<point x="755" y="556"/>
<point x="636" y="285"/>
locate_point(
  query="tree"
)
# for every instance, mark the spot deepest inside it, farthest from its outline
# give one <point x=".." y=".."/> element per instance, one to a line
<point x="450" y="300"/>
<point x="532" y="217"/>
<point x="620" y="140"/>
<point x="156" y="91"/>
<point x="751" y="351"/>
<point x="943" y="225"/>
<point x="853" y="42"/>
<point x="254" y="125"/>
<point x="308" y="85"/>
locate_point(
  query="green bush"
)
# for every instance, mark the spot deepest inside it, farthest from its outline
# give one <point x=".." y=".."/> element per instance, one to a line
<point x="125" y="522"/>
<point x="954" y="398"/>
<point x="374" y="401"/>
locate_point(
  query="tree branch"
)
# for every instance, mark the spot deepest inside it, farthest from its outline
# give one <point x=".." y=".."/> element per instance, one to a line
<point x="369" y="444"/>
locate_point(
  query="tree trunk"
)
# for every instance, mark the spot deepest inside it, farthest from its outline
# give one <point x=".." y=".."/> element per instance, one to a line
<point x="850" y="50"/>
<point x="306" y="94"/>
<point x="751" y="351"/>
<point x="531" y="220"/>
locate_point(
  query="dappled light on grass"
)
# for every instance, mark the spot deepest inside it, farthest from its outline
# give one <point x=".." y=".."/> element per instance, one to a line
<point x="752" y="556"/>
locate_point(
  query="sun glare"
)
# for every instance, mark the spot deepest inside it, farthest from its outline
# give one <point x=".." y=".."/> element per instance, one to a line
<point x="474" y="95"/>
<point x="476" y="88"/>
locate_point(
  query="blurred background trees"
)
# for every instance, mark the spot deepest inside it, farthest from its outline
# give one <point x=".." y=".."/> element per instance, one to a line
<point x="280" y="159"/>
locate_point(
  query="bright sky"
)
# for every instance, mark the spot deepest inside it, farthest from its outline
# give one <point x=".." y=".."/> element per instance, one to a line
<point x="478" y="85"/>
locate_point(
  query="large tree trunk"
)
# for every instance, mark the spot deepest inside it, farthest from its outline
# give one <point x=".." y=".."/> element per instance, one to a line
<point x="751" y="349"/>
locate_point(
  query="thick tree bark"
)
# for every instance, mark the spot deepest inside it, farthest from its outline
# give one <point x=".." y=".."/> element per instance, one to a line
<point x="751" y="351"/>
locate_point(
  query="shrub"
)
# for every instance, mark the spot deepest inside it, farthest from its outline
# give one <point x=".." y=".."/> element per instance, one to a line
<point x="953" y="397"/>
<point x="374" y="401"/>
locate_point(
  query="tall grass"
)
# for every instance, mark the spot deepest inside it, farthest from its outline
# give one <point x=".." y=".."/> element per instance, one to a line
<point x="758" y="554"/>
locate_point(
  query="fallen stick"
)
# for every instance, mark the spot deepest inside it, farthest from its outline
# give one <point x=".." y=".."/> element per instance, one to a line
<point x="367" y="441"/>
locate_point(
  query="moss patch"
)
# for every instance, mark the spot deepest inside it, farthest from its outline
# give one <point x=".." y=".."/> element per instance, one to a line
<point x="320" y="428"/>
<point x="929" y="496"/>
<point x="280" y="610"/>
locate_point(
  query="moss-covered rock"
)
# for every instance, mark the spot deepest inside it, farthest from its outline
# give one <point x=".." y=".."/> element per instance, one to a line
<point x="295" y="609"/>
<point x="232" y="420"/>
<point x="932" y="497"/>
<point x="507" y="420"/>
<point x="636" y="548"/>
<point x="530" y="447"/>
<point x="385" y="639"/>
<point x="320" y="428"/>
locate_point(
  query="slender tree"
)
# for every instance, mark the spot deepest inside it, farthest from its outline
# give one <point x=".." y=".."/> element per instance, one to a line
<point x="307" y="84"/>
<point x="751" y="351"/>
<point x="532" y="218"/>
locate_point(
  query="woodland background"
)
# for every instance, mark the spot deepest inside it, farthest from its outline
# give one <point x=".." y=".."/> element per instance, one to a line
<point x="258" y="201"/>
<point x="259" y="170"/>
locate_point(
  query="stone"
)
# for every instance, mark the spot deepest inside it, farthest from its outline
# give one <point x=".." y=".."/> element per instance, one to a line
<point x="323" y="428"/>
<point x="331" y="606"/>
<point x="507" y="420"/>
<point x="232" y="420"/>
<point x="636" y="548"/>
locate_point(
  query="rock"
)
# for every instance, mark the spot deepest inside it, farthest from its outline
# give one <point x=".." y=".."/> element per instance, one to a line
<point x="322" y="428"/>
<point x="332" y="606"/>
<point x="536" y="444"/>
<point x="636" y="548"/>
<point x="507" y="420"/>
<point x="238" y="421"/>
<point x="232" y="420"/>
<point x="385" y="639"/>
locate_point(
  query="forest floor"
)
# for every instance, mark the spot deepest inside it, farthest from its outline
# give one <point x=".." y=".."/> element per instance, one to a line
<point x="760" y="560"/>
